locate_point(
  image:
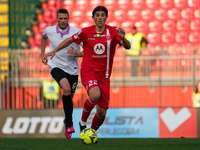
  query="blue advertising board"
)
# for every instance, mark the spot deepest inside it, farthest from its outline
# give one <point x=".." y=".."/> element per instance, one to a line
<point x="124" y="123"/>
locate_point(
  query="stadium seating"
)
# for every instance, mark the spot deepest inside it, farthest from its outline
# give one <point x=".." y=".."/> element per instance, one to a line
<point x="167" y="4"/>
<point x="193" y="3"/>
<point x="77" y="15"/>
<point x="187" y="13"/>
<point x="47" y="15"/>
<point x="142" y="26"/>
<point x="194" y="37"/>
<point x="68" y="4"/>
<point x="81" y="4"/>
<point x="85" y="23"/>
<point x="195" y="25"/>
<point x="127" y="26"/>
<point x="147" y="14"/>
<point x="181" y="37"/>
<point x="114" y="23"/>
<point x="95" y="3"/>
<point x="174" y="14"/>
<point x="133" y="15"/>
<point x="138" y="4"/>
<point x="110" y="5"/>
<point x="170" y="19"/>
<point x="197" y="13"/>
<point x="180" y="4"/>
<point x="123" y="4"/>
<point x="168" y="38"/>
<point x="119" y="14"/>
<point x="182" y="25"/>
<point x="88" y="13"/>
<point x="152" y="4"/>
<point x="51" y="4"/>
<point x="37" y="39"/>
<point x="155" y="26"/>
<point x="42" y="26"/>
<point x="160" y="14"/>
<point x="169" y="25"/>
<point x="154" y="38"/>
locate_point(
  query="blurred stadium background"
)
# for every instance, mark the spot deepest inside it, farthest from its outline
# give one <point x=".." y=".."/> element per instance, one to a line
<point x="168" y="70"/>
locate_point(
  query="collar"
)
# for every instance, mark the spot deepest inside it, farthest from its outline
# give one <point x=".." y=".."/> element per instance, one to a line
<point x="62" y="33"/>
<point x="94" y="31"/>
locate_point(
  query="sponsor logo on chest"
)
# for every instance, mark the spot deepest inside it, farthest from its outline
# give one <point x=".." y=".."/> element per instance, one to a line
<point x="99" y="48"/>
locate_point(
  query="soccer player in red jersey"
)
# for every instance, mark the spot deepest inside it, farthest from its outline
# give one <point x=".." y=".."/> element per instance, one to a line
<point x="99" y="43"/>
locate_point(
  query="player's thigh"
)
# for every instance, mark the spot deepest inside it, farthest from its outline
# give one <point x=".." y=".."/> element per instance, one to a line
<point x="64" y="83"/>
<point x="94" y="93"/>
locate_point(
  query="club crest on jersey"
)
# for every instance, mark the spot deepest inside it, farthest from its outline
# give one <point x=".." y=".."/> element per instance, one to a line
<point x="99" y="48"/>
<point x="108" y="37"/>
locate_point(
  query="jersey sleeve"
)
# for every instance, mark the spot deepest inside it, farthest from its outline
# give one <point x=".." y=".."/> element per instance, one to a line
<point x="117" y="37"/>
<point x="44" y="34"/>
<point x="78" y="37"/>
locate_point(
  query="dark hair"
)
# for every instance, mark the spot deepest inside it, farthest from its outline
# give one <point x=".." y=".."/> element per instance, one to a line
<point x="134" y="27"/>
<point x="100" y="8"/>
<point x="63" y="11"/>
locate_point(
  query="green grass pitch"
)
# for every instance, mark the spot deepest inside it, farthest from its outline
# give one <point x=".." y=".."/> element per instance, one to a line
<point x="104" y="144"/>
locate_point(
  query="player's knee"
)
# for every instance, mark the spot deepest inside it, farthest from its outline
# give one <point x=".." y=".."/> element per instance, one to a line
<point x="101" y="115"/>
<point x="94" y="94"/>
<point x="66" y="91"/>
<point x="95" y="97"/>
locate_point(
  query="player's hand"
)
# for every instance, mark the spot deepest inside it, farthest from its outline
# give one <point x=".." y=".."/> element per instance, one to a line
<point x="44" y="61"/>
<point x="45" y="58"/>
<point x="121" y="33"/>
<point x="72" y="52"/>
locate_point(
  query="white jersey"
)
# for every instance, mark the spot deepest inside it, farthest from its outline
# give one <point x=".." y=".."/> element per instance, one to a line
<point x="62" y="59"/>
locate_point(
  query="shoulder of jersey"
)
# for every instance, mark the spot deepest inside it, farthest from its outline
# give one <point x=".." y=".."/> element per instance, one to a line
<point x="111" y="27"/>
<point x="50" y="27"/>
<point x="74" y="28"/>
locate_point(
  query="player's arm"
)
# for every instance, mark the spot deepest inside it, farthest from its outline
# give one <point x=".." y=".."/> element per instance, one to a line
<point x="74" y="53"/>
<point x="62" y="45"/>
<point x="43" y="46"/>
<point x="124" y="42"/>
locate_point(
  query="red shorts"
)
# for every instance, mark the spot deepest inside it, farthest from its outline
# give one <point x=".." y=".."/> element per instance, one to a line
<point x="89" y="80"/>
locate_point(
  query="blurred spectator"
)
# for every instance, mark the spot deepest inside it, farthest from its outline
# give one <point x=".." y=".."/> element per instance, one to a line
<point x="50" y="93"/>
<point x="138" y="42"/>
<point x="196" y="95"/>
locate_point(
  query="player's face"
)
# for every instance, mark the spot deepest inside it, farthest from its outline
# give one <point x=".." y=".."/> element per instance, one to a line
<point x="62" y="20"/>
<point x="100" y="18"/>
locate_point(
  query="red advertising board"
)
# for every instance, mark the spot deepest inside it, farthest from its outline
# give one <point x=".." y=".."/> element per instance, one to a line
<point x="178" y="122"/>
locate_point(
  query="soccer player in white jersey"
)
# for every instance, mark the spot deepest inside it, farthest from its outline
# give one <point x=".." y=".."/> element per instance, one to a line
<point x="64" y="68"/>
<point x="99" y="43"/>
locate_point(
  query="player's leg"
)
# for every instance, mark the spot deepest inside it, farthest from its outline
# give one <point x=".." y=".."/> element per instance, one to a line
<point x="98" y="118"/>
<point x="102" y="104"/>
<point x="62" y="78"/>
<point x="67" y="101"/>
<point x="94" y="95"/>
<point x="68" y="107"/>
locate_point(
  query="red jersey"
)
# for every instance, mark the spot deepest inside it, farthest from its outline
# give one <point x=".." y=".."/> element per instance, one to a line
<point x="98" y="49"/>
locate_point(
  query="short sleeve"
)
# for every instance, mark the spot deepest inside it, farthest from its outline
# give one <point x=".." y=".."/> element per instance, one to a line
<point x="117" y="36"/>
<point x="44" y="34"/>
<point x="78" y="37"/>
